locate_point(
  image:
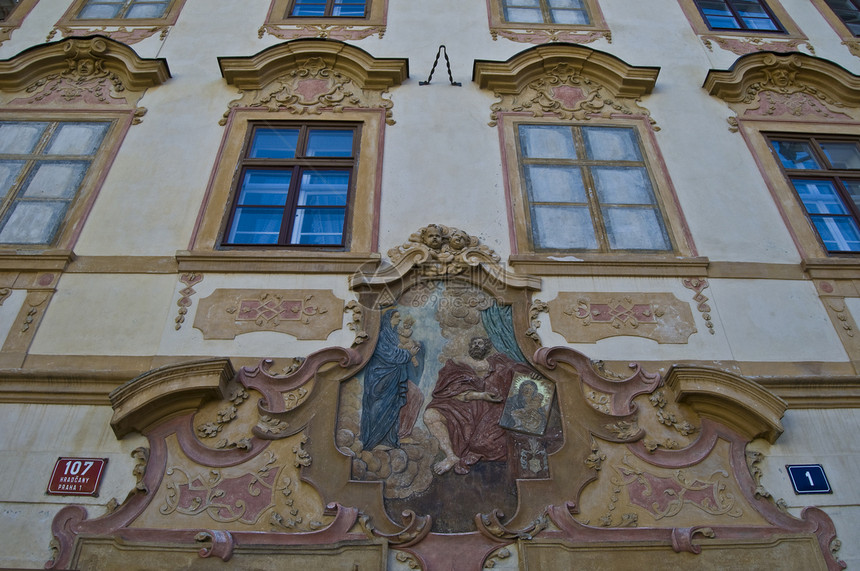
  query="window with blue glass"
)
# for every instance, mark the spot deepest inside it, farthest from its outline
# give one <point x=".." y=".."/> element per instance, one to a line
<point x="328" y="8"/>
<point x="123" y="9"/>
<point x="825" y="173"/>
<point x="849" y="12"/>
<point x="740" y="15"/>
<point x="293" y="186"/>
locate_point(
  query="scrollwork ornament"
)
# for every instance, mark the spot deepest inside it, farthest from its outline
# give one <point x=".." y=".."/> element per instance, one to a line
<point x="440" y="250"/>
<point x="491" y="525"/>
<point x="535" y="309"/>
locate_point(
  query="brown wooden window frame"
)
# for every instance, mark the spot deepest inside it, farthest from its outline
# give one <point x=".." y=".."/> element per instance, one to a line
<point x="297" y="166"/>
<point x="739" y="19"/>
<point x="329" y="7"/>
<point x="586" y="165"/>
<point x="838" y="177"/>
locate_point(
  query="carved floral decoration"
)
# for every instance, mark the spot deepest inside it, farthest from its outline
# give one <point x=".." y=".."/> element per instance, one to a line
<point x="536" y="36"/>
<point x="565" y="92"/>
<point x="85" y="79"/>
<point x="119" y="33"/>
<point x="310" y="88"/>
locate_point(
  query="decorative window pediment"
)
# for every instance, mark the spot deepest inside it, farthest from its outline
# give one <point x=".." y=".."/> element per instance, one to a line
<point x="306" y="76"/>
<point x="79" y="72"/>
<point x="571" y="81"/>
<point x="787" y="86"/>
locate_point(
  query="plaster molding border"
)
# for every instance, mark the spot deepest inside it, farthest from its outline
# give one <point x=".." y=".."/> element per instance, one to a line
<point x="550" y="35"/>
<point x="87" y="71"/>
<point x="122" y="34"/>
<point x="768" y="85"/>
<point x="739" y="403"/>
<point x="323" y="31"/>
<point x="309" y="75"/>
<point x="571" y="81"/>
<point x="747" y="45"/>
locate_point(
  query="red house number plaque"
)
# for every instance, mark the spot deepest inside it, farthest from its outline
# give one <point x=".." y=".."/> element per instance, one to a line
<point x="77" y="476"/>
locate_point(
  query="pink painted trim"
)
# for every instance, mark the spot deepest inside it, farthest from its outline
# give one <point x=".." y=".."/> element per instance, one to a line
<point x="204" y="205"/>
<point x="661" y="163"/>
<point x="377" y="197"/>
<point x="506" y="182"/>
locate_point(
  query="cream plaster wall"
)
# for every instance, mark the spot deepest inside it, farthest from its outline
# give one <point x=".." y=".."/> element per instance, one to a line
<point x="105" y="315"/>
<point x="826" y="437"/>
<point x="33" y="438"/>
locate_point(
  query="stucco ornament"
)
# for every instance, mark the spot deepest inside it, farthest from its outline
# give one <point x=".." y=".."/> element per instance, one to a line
<point x="441" y="250"/>
<point x="335" y="32"/>
<point x="794" y="86"/>
<point x="743" y="46"/>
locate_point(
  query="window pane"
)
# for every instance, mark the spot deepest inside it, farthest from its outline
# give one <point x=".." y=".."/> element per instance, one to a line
<point x="324" y="188"/>
<point x="32" y="222"/>
<point x="842" y="155"/>
<point x="100" y="11"/>
<point x="760" y="24"/>
<point x="571" y="17"/>
<point x="328" y="143"/>
<point x="77" y="139"/>
<point x="308" y="8"/>
<point x="265" y="187"/>
<point x="838" y="234"/>
<point x="320" y="226"/>
<point x="52" y="179"/>
<point x="522" y="3"/>
<point x="547" y="142"/>
<point x="9" y="171"/>
<point x="563" y="228"/>
<point x="20" y="138"/>
<point x="623" y="185"/>
<point x="274" y="144"/>
<point x="148" y="10"/>
<point x="635" y="229"/>
<point x="795" y="155"/>
<point x="577" y="4"/>
<point x="853" y="187"/>
<point x="611" y="144"/>
<point x="555" y="184"/>
<point x="256" y="226"/>
<point x="819" y="196"/>
<point x="524" y="15"/>
<point x="354" y="8"/>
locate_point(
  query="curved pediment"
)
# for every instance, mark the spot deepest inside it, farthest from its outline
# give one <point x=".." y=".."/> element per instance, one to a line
<point x="261" y="69"/>
<point x="769" y="86"/>
<point x="570" y="80"/>
<point x="312" y="75"/>
<point x="108" y="70"/>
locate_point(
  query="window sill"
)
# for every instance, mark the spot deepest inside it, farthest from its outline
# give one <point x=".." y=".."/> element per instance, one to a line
<point x="587" y="264"/>
<point x="37" y="260"/>
<point x="832" y="268"/>
<point x="276" y="261"/>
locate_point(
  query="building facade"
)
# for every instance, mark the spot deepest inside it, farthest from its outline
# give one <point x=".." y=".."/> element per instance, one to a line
<point x="480" y="283"/>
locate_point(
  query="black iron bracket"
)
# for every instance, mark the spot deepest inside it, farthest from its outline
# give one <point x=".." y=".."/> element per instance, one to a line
<point x="442" y="49"/>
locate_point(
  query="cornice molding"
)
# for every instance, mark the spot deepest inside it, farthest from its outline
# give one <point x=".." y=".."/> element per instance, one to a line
<point x="515" y="74"/>
<point x="261" y="69"/>
<point x="40" y="62"/>
<point x="786" y="74"/>
<point x="739" y="403"/>
<point x="167" y="392"/>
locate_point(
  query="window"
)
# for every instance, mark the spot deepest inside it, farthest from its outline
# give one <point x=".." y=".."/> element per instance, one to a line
<point x="570" y="12"/>
<point x="589" y="188"/>
<point x="328" y="8"/>
<point x="293" y="186"/>
<point x="848" y="12"/>
<point x="751" y="15"/>
<point x="825" y="173"/>
<point x="7" y="7"/>
<point x="43" y="166"/>
<point x="123" y="9"/>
